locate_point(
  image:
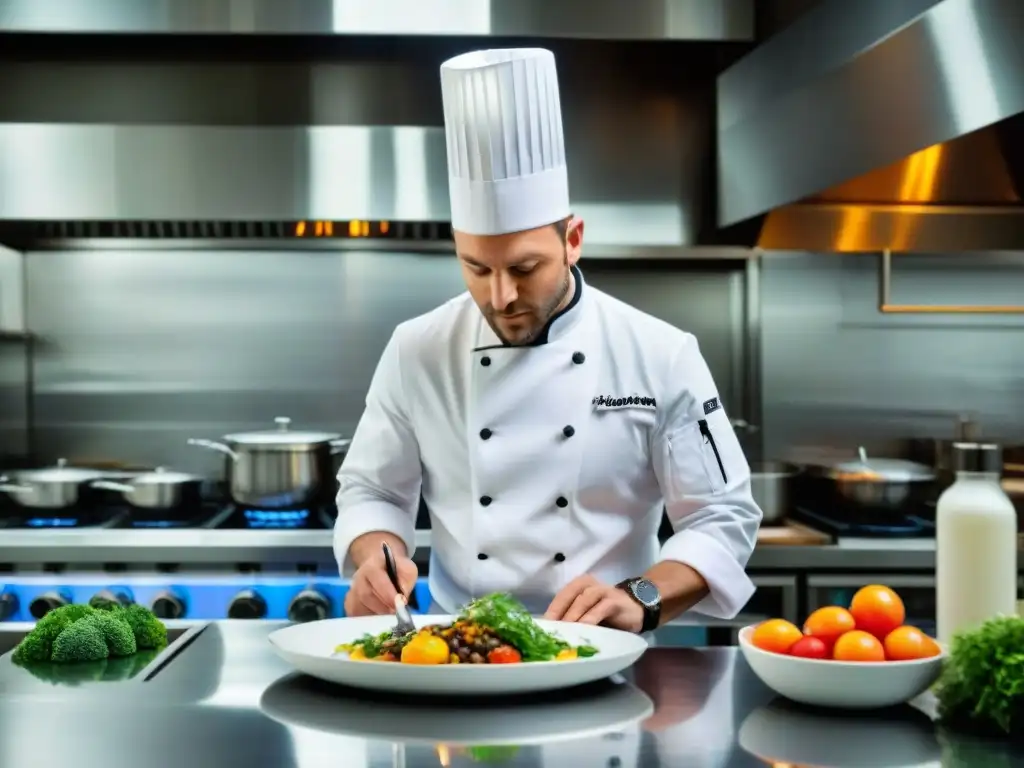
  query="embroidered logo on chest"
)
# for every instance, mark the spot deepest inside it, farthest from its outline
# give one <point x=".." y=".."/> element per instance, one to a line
<point x="611" y="403"/>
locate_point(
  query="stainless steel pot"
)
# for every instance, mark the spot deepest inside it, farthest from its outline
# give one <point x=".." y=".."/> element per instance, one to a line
<point x="771" y="485"/>
<point x="879" y="483"/>
<point x="159" y="489"/>
<point x="279" y="467"/>
<point x="54" y="487"/>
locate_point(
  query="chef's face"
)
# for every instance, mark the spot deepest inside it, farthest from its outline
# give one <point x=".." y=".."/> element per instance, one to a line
<point x="521" y="280"/>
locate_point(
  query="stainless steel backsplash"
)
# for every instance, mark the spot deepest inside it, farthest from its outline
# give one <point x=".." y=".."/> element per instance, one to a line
<point x="836" y="372"/>
<point x="140" y="350"/>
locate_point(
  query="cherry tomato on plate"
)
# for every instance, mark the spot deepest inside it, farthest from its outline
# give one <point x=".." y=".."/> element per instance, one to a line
<point x="504" y="654"/>
<point x="810" y="648"/>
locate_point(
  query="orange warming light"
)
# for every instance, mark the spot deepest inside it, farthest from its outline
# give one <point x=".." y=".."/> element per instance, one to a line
<point x="353" y="229"/>
<point x="300" y="229"/>
<point x="384" y="227"/>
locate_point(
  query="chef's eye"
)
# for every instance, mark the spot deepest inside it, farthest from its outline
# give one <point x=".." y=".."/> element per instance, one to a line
<point x="523" y="270"/>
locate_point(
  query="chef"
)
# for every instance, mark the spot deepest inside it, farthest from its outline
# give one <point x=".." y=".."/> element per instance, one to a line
<point x="546" y="424"/>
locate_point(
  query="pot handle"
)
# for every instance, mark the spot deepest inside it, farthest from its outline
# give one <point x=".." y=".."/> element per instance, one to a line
<point x="110" y="485"/>
<point x="213" y="445"/>
<point x="6" y="486"/>
<point x="340" y="445"/>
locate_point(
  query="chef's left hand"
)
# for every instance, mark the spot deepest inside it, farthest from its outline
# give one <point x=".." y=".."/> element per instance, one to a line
<point x="588" y="601"/>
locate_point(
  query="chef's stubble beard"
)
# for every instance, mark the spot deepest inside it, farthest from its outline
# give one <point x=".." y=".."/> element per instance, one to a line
<point x="550" y="309"/>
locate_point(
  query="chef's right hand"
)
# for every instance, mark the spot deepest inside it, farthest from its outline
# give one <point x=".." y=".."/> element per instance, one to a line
<point x="372" y="593"/>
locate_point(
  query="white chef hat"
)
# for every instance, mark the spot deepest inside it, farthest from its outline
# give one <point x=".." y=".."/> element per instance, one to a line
<point x="506" y="152"/>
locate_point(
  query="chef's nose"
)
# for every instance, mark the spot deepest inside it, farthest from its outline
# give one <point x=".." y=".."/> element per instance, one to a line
<point x="503" y="290"/>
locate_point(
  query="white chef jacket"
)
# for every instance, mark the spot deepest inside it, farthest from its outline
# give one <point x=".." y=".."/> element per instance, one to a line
<point x="541" y="463"/>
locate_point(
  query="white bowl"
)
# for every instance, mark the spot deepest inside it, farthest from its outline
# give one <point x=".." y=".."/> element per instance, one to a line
<point x="845" y="684"/>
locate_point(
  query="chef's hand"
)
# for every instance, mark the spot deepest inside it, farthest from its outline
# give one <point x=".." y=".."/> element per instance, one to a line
<point x="372" y="593"/>
<point x="588" y="601"/>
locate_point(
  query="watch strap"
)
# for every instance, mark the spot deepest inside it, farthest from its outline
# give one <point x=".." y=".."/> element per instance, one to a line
<point x="652" y="613"/>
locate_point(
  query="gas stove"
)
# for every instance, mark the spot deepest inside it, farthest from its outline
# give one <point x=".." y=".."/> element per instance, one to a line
<point x="207" y="516"/>
<point x="207" y="562"/>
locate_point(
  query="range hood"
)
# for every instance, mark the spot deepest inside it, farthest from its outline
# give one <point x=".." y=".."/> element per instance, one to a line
<point x="879" y="126"/>
<point x="596" y="19"/>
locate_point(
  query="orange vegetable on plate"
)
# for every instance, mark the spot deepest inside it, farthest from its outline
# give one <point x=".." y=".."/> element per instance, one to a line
<point x="858" y="645"/>
<point x="425" y="649"/>
<point x="909" y="644"/>
<point x="828" y="624"/>
<point x="776" y="636"/>
<point x="877" y="610"/>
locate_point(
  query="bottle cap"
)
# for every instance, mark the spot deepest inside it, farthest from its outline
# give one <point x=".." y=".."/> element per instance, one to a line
<point x="978" y="457"/>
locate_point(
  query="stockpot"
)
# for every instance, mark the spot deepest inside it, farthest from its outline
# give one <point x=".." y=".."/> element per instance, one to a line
<point x="279" y="467"/>
<point x="54" y="487"/>
<point x="159" y="489"/>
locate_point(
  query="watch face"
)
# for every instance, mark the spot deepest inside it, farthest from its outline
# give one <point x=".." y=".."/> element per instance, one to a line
<point x="646" y="592"/>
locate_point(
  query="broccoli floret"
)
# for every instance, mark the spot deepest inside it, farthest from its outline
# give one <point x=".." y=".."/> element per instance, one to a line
<point x="103" y="603"/>
<point x="82" y="641"/>
<point x="117" y="633"/>
<point x="150" y="632"/>
<point x="38" y="644"/>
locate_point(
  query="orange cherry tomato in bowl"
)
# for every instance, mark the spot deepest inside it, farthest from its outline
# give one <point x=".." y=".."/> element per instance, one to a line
<point x="858" y="646"/>
<point x="877" y="610"/>
<point x="775" y="636"/>
<point x="810" y="648"/>
<point x="504" y="654"/>
<point x="909" y="644"/>
<point x="828" y="624"/>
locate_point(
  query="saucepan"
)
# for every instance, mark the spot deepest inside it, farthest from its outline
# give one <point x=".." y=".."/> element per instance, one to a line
<point x="279" y="467"/>
<point x="57" y="487"/>
<point x="771" y="486"/>
<point x="159" y="489"/>
<point x="879" y="484"/>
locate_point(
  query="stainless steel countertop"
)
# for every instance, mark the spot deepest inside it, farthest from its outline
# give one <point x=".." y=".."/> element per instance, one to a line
<point x="95" y="546"/>
<point x="224" y="699"/>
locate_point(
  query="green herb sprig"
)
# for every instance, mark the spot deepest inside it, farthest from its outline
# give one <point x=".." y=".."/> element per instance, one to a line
<point x="981" y="688"/>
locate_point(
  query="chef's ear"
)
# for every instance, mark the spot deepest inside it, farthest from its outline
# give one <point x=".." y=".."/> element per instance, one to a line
<point x="574" y="239"/>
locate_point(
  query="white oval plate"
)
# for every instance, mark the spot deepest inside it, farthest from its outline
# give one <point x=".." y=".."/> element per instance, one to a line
<point x="599" y="709"/>
<point x="310" y="649"/>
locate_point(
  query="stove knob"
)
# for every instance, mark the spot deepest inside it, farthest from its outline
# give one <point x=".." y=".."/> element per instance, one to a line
<point x="46" y="602"/>
<point x="309" y="605"/>
<point x="8" y="605"/>
<point x="247" y="604"/>
<point x="168" y="605"/>
<point x="107" y="596"/>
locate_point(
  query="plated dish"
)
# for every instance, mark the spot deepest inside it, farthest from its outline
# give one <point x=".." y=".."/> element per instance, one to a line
<point x="551" y="654"/>
<point x="495" y="629"/>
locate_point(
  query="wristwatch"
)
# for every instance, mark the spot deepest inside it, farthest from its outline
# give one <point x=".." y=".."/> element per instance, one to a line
<point x="648" y="597"/>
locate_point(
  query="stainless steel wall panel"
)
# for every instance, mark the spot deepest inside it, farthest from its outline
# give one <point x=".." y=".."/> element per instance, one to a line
<point x="836" y="372"/>
<point x="140" y="350"/>
<point x="14" y="356"/>
<point x="603" y="19"/>
<point x="212" y="172"/>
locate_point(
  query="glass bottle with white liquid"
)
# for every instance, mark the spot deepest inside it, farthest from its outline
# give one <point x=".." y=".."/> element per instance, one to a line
<point x="976" y="544"/>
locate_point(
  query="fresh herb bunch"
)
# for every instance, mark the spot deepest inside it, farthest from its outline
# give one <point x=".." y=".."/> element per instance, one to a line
<point x="510" y="620"/>
<point x="982" y="685"/>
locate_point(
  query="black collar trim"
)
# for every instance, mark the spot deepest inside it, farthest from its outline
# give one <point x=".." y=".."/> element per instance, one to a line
<point x="542" y="337"/>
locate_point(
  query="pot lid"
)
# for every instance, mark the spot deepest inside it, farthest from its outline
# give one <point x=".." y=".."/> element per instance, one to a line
<point x="282" y="436"/>
<point x="164" y="476"/>
<point x="867" y="469"/>
<point x="61" y="473"/>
